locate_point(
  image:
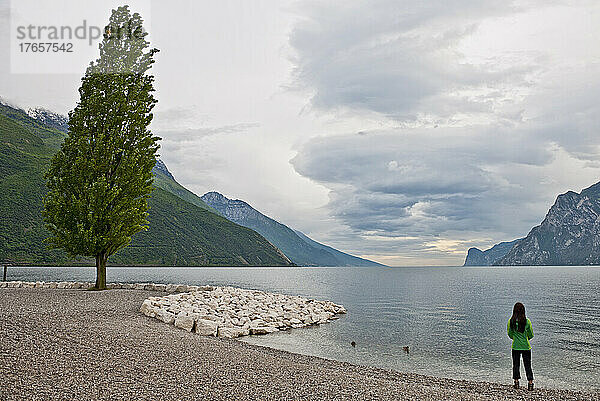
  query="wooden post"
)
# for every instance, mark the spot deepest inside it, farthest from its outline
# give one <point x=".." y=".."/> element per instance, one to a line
<point x="4" y="274"/>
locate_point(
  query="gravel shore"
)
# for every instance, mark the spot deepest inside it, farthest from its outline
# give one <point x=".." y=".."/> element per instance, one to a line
<point x="86" y="345"/>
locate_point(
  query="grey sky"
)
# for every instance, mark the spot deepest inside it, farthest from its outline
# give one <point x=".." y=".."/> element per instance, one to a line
<point x="403" y="131"/>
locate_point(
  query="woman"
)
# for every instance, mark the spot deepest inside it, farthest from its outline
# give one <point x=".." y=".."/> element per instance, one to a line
<point x="520" y="331"/>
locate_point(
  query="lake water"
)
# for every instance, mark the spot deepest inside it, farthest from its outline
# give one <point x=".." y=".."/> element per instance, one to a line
<point x="452" y="318"/>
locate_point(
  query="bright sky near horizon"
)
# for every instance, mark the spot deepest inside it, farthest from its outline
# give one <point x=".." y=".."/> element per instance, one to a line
<point x="401" y="131"/>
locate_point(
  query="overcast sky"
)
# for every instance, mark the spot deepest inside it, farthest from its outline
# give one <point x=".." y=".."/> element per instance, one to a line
<point x="401" y="131"/>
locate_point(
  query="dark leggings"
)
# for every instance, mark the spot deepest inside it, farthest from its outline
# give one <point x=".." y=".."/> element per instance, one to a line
<point x="516" y="357"/>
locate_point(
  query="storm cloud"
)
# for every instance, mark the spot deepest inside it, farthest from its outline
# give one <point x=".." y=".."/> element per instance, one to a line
<point x="399" y="58"/>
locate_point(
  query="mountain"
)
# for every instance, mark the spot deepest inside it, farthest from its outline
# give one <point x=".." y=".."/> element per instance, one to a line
<point x="477" y="257"/>
<point x="183" y="230"/>
<point x="341" y="258"/>
<point x="298" y="247"/>
<point x="26" y="147"/>
<point x="182" y="234"/>
<point x="163" y="179"/>
<point x="569" y="234"/>
<point x="50" y="119"/>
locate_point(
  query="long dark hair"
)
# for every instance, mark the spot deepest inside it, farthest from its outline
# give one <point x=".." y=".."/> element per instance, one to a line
<point x="519" y="317"/>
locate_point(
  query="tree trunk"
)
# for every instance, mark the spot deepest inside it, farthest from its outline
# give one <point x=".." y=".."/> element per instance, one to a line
<point x="101" y="271"/>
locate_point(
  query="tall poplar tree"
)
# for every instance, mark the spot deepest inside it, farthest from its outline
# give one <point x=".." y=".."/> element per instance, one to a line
<point x="100" y="180"/>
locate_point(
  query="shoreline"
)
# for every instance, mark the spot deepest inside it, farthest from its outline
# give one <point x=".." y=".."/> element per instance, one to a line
<point x="66" y="344"/>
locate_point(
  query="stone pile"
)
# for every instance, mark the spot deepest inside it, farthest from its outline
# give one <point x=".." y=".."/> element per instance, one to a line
<point x="233" y="312"/>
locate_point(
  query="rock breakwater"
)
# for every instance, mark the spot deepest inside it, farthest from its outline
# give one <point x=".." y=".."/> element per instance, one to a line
<point x="233" y="312"/>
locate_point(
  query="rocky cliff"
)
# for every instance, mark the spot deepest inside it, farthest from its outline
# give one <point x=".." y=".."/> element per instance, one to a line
<point x="569" y="235"/>
<point x="477" y="257"/>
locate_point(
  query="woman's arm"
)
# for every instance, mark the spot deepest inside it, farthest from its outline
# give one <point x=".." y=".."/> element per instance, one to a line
<point x="529" y="330"/>
<point x="508" y="330"/>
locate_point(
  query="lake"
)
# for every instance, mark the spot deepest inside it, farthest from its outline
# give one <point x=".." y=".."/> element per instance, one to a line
<point x="452" y="318"/>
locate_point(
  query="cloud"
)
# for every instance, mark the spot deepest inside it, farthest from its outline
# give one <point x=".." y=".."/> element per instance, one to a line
<point x="184" y="139"/>
<point x="189" y="134"/>
<point x="399" y="58"/>
<point x="177" y="118"/>
<point x="415" y="181"/>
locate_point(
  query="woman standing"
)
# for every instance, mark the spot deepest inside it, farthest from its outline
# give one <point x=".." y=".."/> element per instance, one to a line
<point x="520" y="331"/>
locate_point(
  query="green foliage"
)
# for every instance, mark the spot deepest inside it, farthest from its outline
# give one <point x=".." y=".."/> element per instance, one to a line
<point x="123" y="49"/>
<point x="24" y="156"/>
<point x="101" y="178"/>
<point x="168" y="184"/>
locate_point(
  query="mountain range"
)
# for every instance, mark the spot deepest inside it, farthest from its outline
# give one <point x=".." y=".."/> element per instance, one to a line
<point x="297" y="246"/>
<point x="568" y="235"/>
<point x="184" y="229"/>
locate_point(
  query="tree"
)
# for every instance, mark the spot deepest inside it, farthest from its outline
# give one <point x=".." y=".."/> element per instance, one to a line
<point x="100" y="180"/>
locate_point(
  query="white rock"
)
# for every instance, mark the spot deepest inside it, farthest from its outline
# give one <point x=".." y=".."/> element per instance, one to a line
<point x="147" y="308"/>
<point x="231" y="332"/>
<point x="181" y="288"/>
<point x="263" y="330"/>
<point x="165" y="316"/>
<point x="206" y="327"/>
<point x="323" y="317"/>
<point x="185" y="322"/>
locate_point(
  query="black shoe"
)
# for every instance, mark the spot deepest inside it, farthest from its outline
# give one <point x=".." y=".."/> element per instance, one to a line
<point x="516" y="385"/>
<point x="530" y="386"/>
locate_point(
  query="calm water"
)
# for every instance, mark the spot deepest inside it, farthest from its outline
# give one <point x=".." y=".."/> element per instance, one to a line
<point x="453" y="319"/>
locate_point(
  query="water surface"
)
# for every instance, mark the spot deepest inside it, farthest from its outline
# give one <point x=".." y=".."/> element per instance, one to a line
<point x="452" y="318"/>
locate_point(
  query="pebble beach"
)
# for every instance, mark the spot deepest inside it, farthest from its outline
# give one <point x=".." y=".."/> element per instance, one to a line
<point x="65" y="344"/>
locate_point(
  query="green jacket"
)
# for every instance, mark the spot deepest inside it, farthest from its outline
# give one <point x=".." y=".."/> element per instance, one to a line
<point x="521" y="340"/>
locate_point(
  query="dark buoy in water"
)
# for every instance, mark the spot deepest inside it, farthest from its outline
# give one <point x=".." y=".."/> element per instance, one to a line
<point x="353" y="344"/>
<point x="406" y="349"/>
